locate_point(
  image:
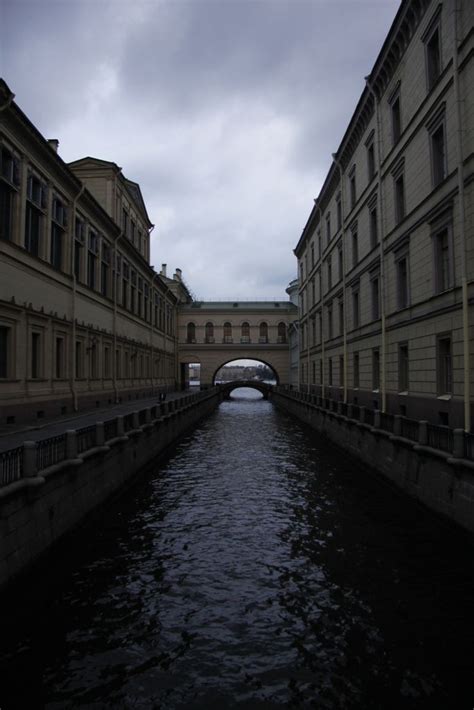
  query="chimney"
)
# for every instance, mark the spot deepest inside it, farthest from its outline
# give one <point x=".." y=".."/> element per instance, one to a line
<point x="177" y="275"/>
<point x="54" y="144"/>
<point x="163" y="270"/>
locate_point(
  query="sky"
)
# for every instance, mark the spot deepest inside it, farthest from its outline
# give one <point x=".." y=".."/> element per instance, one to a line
<point x="226" y="113"/>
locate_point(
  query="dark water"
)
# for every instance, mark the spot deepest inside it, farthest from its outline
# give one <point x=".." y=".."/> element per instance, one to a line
<point x="257" y="567"/>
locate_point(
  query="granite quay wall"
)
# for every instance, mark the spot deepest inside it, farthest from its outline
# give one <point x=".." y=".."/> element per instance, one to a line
<point x="48" y="486"/>
<point x="434" y="464"/>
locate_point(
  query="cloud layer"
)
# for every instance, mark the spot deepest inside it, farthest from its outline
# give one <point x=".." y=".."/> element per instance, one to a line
<point x="225" y="111"/>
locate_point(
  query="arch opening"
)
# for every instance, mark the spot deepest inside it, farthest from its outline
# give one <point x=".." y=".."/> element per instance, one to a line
<point x="252" y="371"/>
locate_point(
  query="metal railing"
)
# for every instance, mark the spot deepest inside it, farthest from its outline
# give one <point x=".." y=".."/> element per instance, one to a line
<point x="11" y="465"/>
<point x="110" y="429"/>
<point x="86" y="438"/>
<point x="409" y="428"/>
<point x="440" y="437"/>
<point x="50" y="451"/>
<point x="386" y="421"/>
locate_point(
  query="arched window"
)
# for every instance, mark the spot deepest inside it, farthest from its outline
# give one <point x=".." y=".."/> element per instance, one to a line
<point x="263" y="336"/>
<point x="245" y="333"/>
<point x="281" y="332"/>
<point x="227" y="332"/>
<point x="209" y="332"/>
<point x="191" y="334"/>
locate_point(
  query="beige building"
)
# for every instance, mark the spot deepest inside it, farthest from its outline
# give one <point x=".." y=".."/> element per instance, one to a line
<point x="84" y="319"/>
<point x="386" y="259"/>
<point x="214" y="333"/>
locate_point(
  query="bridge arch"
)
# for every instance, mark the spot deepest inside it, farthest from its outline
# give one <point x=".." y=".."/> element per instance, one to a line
<point x="253" y="358"/>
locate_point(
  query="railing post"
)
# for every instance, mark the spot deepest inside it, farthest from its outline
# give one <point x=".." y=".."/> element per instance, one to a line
<point x="423" y="433"/>
<point x="362" y="415"/>
<point x="397" y="424"/>
<point x="148" y="415"/>
<point x="71" y="444"/>
<point x="29" y="459"/>
<point x="349" y="411"/>
<point x="458" y="444"/>
<point x="99" y="434"/>
<point x="377" y="419"/>
<point x="135" y="421"/>
<point x="120" y="425"/>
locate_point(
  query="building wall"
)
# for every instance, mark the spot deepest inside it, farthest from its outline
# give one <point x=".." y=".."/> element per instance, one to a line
<point x="426" y="315"/>
<point x="74" y="332"/>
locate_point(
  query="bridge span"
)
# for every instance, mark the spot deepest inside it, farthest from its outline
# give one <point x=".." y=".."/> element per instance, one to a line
<point x="213" y="333"/>
<point x="263" y="387"/>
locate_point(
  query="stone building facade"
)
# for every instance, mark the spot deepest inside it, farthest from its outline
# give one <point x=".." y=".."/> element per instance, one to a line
<point x="85" y="320"/>
<point x="386" y="259"/>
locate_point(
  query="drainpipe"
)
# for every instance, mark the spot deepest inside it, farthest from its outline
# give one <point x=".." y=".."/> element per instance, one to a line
<point x="343" y="237"/>
<point x="72" y="379"/>
<point x="323" y="378"/>
<point x="462" y="225"/>
<point x="380" y="227"/>
<point x="114" y="326"/>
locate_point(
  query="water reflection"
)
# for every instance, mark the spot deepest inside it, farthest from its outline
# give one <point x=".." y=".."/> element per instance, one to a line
<point x="256" y="568"/>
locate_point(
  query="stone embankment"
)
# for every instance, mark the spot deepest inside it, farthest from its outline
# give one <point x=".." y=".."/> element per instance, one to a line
<point x="434" y="464"/>
<point x="48" y="486"/>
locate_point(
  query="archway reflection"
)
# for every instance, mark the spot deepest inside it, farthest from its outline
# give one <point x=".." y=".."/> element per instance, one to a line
<point x="245" y="369"/>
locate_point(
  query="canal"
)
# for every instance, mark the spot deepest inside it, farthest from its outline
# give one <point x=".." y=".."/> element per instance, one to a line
<point x="256" y="567"/>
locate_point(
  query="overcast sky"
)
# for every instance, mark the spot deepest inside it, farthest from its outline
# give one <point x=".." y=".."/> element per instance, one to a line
<point x="225" y="111"/>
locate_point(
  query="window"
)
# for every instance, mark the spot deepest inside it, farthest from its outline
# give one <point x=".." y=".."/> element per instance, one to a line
<point x="301" y="272"/>
<point x="263" y="333"/>
<point x="395" y="111"/>
<point x="313" y="292"/>
<point x="133" y="233"/>
<point x="281" y="332"/>
<point x="313" y="331"/>
<point x="402" y="281"/>
<point x="403" y="367"/>
<point x="227" y="332"/>
<point x="36" y="198"/>
<point x="375" y="369"/>
<point x="432" y="40"/>
<point x="375" y="288"/>
<point x="399" y="187"/>
<point x="79" y="359"/>
<point x="438" y="153"/>
<point x="36" y="355"/>
<point x="442" y="259"/>
<point x="330" y="370"/>
<point x="313" y="372"/>
<point x="312" y="254"/>
<point x="330" y="324"/>
<point x="444" y="366"/>
<point x="370" y="161"/>
<point x="340" y="260"/>
<point x="355" y="367"/>
<point x="352" y="187"/>
<point x="133" y="288"/>
<point x="303" y="336"/>
<point x="104" y="269"/>
<point x="245" y="333"/>
<point x="339" y="212"/>
<point x="118" y="369"/>
<point x="355" y="309"/>
<point x="209" y="332"/>
<point x="373" y="228"/>
<point x="79" y="240"/>
<point x="125" y="221"/>
<point x="125" y="278"/>
<point x="59" y="358"/>
<point x="328" y="228"/>
<point x="341" y="370"/>
<point x="4" y="351"/>
<point x="93" y="250"/>
<point x="341" y="316"/>
<point x="191" y="333"/>
<point x="329" y="265"/>
<point x="106" y="362"/>
<point x="9" y="183"/>
<point x="355" y="247"/>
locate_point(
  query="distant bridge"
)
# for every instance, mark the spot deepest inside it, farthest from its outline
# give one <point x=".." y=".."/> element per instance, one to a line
<point x="216" y="333"/>
<point x="228" y="387"/>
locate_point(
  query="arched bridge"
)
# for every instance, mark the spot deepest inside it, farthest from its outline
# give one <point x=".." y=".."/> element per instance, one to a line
<point x="216" y="333"/>
<point x="227" y="387"/>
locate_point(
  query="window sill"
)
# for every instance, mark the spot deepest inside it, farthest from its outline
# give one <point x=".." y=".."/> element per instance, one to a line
<point x="403" y="394"/>
<point x="444" y="397"/>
